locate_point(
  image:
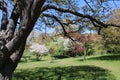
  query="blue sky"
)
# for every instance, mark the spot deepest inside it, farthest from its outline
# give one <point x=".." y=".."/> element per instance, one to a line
<point x="114" y="5"/>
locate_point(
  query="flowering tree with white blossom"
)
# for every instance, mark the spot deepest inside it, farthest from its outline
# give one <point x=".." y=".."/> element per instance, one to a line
<point x="38" y="50"/>
<point x="67" y="44"/>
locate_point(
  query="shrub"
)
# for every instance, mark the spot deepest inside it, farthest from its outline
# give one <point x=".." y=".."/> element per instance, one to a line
<point x="57" y="46"/>
<point x="39" y="50"/>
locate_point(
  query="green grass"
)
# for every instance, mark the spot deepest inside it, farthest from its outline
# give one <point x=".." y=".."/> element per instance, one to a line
<point x="99" y="67"/>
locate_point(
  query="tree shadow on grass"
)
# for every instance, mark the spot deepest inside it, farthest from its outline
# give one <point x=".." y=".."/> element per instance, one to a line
<point x="106" y="57"/>
<point x="60" y="57"/>
<point x="64" y="73"/>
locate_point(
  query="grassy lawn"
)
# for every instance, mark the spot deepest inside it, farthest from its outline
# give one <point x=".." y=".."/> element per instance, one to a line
<point x="101" y="67"/>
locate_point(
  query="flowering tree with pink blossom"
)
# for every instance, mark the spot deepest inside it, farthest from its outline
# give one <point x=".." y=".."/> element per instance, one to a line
<point x="79" y="44"/>
<point x="72" y="48"/>
<point x="77" y="48"/>
<point x="86" y="41"/>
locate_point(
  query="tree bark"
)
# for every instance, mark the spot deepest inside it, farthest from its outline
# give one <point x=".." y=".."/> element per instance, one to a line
<point x="4" y="20"/>
<point x="12" y="49"/>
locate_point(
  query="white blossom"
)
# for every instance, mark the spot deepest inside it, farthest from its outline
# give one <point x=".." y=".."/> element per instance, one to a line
<point x="67" y="44"/>
<point x="38" y="49"/>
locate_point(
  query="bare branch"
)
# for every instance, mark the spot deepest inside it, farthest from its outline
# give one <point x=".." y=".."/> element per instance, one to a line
<point x="78" y="14"/>
<point x="95" y="25"/>
<point x="89" y="5"/>
<point x="54" y="17"/>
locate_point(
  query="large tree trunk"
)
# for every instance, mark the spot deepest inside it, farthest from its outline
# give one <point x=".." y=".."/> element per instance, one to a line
<point x="12" y="45"/>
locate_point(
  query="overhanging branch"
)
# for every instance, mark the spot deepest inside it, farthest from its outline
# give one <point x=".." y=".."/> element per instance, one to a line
<point x="54" y="17"/>
<point x="78" y="14"/>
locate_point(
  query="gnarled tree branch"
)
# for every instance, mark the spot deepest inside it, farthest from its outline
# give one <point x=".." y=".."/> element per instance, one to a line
<point x="78" y="14"/>
<point x="62" y="25"/>
<point x="13" y="21"/>
<point x="4" y="21"/>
